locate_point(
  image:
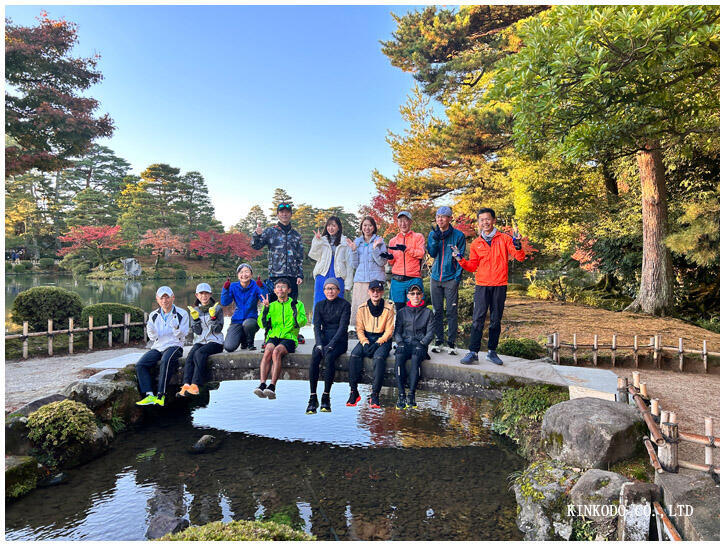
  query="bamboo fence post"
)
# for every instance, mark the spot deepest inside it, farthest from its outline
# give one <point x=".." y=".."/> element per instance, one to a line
<point x="635" y="379"/>
<point x="704" y="354"/>
<point x="667" y="453"/>
<point x="50" y="337"/>
<point x="145" y="333"/>
<point x="70" y="335"/>
<point x="25" y="339"/>
<point x="622" y="395"/>
<point x="681" y="354"/>
<point x="655" y="411"/>
<point x="614" y="350"/>
<point x="636" y="355"/>
<point x="656" y="352"/>
<point x="126" y="321"/>
<point x="90" y="332"/>
<point x="643" y="390"/>
<point x="110" y="330"/>
<point x="556" y="347"/>
<point x="595" y="349"/>
<point x="573" y="351"/>
<point x="708" y="433"/>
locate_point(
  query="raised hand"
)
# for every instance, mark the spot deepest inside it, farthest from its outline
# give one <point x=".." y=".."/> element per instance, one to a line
<point x="378" y="242"/>
<point x="212" y="312"/>
<point x="194" y="313"/>
<point x="258" y="229"/>
<point x="456" y="253"/>
<point x="227" y="284"/>
<point x="351" y="244"/>
<point x="174" y="322"/>
<point x="265" y="300"/>
<point x="317" y="233"/>
<point x="299" y="280"/>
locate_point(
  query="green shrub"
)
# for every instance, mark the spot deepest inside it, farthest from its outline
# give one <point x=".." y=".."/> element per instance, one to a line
<point x="100" y="311"/>
<point x="521" y="347"/>
<point x="20" y="268"/>
<point x="61" y="428"/>
<point x="8" y="265"/>
<point x="180" y="274"/>
<point x="46" y="263"/>
<point x="239" y="530"/>
<point x="38" y="304"/>
<point x="526" y="403"/>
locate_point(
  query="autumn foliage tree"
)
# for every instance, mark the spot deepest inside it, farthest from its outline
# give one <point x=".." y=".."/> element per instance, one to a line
<point x="47" y="121"/>
<point x="214" y="245"/>
<point x="162" y="243"/>
<point x="91" y="242"/>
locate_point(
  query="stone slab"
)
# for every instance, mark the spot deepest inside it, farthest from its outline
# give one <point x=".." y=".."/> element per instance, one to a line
<point x="588" y="380"/>
<point x="115" y="363"/>
<point x="698" y="490"/>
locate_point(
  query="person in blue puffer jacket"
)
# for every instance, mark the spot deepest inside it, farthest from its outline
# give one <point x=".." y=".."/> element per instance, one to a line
<point x="246" y="295"/>
<point x="368" y="262"/>
<point x="445" y="276"/>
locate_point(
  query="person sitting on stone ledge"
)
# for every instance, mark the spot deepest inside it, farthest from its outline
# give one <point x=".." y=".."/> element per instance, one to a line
<point x="375" y="324"/>
<point x="246" y="295"/>
<point x="207" y="321"/>
<point x="331" y="318"/>
<point x="282" y="320"/>
<point x="413" y="332"/>
<point x="166" y="328"/>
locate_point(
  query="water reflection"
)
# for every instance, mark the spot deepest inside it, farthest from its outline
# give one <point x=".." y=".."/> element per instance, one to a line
<point x="362" y="485"/>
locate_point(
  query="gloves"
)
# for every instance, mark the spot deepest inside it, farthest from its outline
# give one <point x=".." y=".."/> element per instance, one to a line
<point x="227" y="284"/>
<point x="174" y="322"/>
<point x="386" y="255"/>
<point x="212" y="312"/>
<point x="320" y="348"/>
<point x="400" y="247"/>
<point x="437" y="233"/>
<point x="259" y="281"/>
<point x="517" y="243"/>
<point x="194" y="313"/>
<point x="370" y="349"/>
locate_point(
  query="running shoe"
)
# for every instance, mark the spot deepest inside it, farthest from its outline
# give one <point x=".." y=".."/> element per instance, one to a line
<point x="269" y="392"/>
<point x="193" y="389"/>
<point x="300" y="339"/>
<point x="401" y="403"/>
<point x="470" y="358"/>
<point x="411" y="401"/>
<point x="182" y="392"/>
<point x="436" y="348"/>
<point x="374" y="401"/>
<point x="491" y="356"/>
<point x="150" y="400"/>
<point x="354" y="398"/>
<point x="312" y="405"/>
<point x="160" y="400"/>
<point x="259" y="391"/>
<point x="251" y="347"/>
<point x="452" y="349"/>
<point x="325" y="403"/>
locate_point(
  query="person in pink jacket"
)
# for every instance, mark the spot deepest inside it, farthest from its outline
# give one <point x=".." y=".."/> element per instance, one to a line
<point x="405" y="252"/>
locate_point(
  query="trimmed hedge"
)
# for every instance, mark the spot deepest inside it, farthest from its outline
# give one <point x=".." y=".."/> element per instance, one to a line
<point x="46" y="263"/>
<point x="61" y="429"/>
<point x="38" y="304"/>
<point x="20" y="268"/>
<point x="239" y="530"/>
<point x="100" y="311"/>
<point x="521" y="347"/>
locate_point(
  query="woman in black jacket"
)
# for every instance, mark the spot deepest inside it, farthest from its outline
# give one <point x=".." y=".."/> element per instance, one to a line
<point x="413" y="333"/>
<point x="331" y="317"/>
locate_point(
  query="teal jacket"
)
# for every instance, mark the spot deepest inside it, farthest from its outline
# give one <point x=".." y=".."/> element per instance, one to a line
<point x="445" y="268"/>
<point x="280" y="320"/>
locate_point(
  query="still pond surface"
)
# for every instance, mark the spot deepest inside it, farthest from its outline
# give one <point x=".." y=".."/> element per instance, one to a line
<point x="435" y="473"/>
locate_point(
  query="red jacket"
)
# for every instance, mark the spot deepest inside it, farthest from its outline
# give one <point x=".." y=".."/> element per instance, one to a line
<point x="408" y="262"/>
<point x="491" y="262"/>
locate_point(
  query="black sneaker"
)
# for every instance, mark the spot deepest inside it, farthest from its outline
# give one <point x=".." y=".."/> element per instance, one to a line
<point x="411" y="401"/>
<point x="259" y="391"/>
<point x="374" y="401"/>
<point x="269" y="392"/>
<point x="401" y="403"/>
<point x="312" y="405"/>
<point x="354" y="398"/>
<point x="251" y="347"/>
<point x="452" y="349"/>
<point x="325" y="403"/>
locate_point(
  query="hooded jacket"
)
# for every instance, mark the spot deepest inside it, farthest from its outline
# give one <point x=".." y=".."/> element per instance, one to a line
<point x="366" y="258"/>
<point x="407" y="262"/>
<point x="208" y="329"/>
<point x="170" y="332"/>
<point x="246" y="300"/>
<point x="445" y="268"/>
<point x="321" y="251"/>
<point x="414" y="325"/>
<point x="285" y="250"/>
<point x="279" y="320"/>
<point x="491" y="262"/>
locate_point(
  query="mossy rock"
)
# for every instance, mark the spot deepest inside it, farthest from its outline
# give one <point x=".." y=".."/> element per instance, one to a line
<point x="21" y="476"/>
<point x="521" y="347"/>
<point x="240" y="530"/>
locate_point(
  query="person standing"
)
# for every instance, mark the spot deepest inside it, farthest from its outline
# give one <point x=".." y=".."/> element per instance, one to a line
<point x="207" y="321"/>
<point x="285" y="250"/>
<point x="246" y="295"/>
<point x="445" y="277"/>
<point x="330" y="317"/>
<point x="166" y="329"/>
<point x="375" y="323"/>
<point x="282" y="320"/>
<point x="368" y="260"/>
<point x="405" y="252"/>
<point x="331" y="251"/>
<point x="413" y="333"/>
<point x="489" y="260"/>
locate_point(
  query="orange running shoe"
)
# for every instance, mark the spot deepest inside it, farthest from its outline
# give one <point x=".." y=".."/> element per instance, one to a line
<point x="193" y="389"/>
<point x="183" y="391"/>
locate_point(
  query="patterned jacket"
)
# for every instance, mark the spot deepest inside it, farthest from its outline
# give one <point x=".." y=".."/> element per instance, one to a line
<point x="285" y="251"/>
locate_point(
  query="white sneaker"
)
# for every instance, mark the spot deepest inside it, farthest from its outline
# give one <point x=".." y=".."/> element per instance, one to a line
<point x="452" y="351"/>
<point x="435" y="348"/>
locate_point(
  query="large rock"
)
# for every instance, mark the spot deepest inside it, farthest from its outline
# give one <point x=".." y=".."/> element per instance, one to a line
<point x="596" y="497"/>
<point x="131" y="267"/>
<point x="541" y="493"/>
<point x="21" y="476"/>
<point x="166" y="511"/>
<point x="110" y="394"/>
<point x="592" y="433"/>
<point x="16" y="436"/>
<point x="30" y="407"/>
<point x="694" y="500"/>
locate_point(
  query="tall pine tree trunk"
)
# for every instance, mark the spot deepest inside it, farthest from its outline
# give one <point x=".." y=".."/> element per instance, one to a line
<point x="655" y="291"/>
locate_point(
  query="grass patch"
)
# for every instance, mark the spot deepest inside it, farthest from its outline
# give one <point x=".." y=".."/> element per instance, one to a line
<point x="240" y="530"/>
<point x="637" y="468"/>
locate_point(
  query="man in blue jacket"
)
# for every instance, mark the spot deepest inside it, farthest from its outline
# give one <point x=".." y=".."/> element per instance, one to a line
<point x="445" y="277"/>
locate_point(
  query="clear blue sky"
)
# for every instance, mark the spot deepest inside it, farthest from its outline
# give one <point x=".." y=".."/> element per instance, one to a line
<point x="253" y="97"/>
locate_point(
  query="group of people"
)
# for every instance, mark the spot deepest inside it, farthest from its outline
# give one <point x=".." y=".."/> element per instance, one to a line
<point x="358" y="267"/>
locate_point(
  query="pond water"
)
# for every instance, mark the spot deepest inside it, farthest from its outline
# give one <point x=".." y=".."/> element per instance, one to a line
<point x="435" y="473"/>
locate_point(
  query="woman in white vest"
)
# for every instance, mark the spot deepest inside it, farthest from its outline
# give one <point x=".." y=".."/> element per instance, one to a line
<point x="331" y="252"/>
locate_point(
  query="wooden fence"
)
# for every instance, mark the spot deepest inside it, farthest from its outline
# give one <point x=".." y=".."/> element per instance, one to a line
<point x="653" y="350"/>
<point x="90" y="329"/>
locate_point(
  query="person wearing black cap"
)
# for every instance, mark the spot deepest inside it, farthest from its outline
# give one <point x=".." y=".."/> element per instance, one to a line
<point x="285" y="249"/>
<point x="413" y="333"/>
<point x="331" y="318"/>
<point x="375" y="323"/>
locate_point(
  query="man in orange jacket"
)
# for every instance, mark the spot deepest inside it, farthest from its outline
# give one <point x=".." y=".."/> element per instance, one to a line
<point x="489" y="259"/>
<point x="405" y="252"/>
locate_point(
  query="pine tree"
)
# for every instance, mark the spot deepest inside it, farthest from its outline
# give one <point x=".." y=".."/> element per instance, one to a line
<point x="249" y="223"/>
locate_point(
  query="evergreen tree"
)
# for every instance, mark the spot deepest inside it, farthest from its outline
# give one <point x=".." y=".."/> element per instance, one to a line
<point x="248" y="224"/>
<point x="92" y="208"/>
<point x="194" y="204"/>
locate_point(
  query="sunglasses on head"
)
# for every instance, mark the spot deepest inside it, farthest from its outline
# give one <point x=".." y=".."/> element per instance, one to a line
<point x="284" y="206"/>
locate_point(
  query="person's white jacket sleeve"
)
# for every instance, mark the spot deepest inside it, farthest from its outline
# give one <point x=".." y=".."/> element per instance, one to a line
<point x="181" y="331"/>
<point x="151" y="332"/>
<point x="349" y="269"/>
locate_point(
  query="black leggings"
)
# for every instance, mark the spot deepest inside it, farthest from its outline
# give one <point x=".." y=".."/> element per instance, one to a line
<point x="330" y="358"/>
<point x="379" y="353"/>
<point x="195" y="366"/>
<point x="416" y="354"/>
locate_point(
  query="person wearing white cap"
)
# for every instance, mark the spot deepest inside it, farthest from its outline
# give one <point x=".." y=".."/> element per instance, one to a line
<point x="207" y="321"/>
<point x="166" y="329"/>
<point x="246" y="295"/>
